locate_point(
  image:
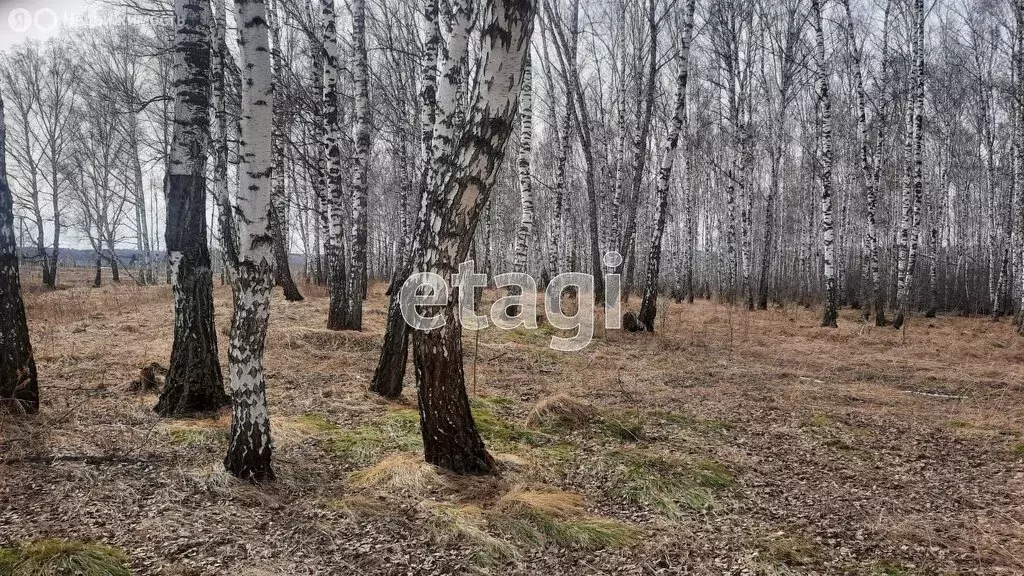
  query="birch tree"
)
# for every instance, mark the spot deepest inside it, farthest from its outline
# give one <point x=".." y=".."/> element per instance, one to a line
<point x="249" y="448"/>
<point x="360" y="167"/>
<point x="279" y="211"/>
<point x="648" y="306"/>
<point x="825" y="159"/>
<point x="338" y="313"/>
<point x="390" y="372"/>
<point x="464" y="171"/>
<point x="193" y="382"/>
<point x="19" y="386"/>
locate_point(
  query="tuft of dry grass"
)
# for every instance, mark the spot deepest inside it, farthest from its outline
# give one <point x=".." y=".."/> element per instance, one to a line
<point x="560" y="410"/>
<point x="52" y="557"/>
<point x="405" y="471"/>
<point x="527" y="518"/>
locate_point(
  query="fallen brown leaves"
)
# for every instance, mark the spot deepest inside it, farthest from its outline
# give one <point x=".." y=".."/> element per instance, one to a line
<point x="859" y="450"/>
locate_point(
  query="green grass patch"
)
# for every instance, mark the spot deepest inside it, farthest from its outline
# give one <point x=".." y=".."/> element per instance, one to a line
<point x="497" y="430"/>
<point x="316" y="423"/>
<point x="666" y="484"/>
<point x="625" y="429"/>
<point x="887" y="568"/>
<point x="525" y="519"/>
<point x="394" y="431"/>
<point x="53" y="557"/>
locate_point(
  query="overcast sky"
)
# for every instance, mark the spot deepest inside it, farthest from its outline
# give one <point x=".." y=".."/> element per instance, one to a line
<point x="21" y="19"/>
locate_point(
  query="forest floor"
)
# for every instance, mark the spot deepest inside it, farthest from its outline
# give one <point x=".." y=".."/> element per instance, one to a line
<point x="726" y="443"/>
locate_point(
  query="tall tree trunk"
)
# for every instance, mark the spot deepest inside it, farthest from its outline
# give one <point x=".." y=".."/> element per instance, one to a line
<point x="830" y="314"/>
<point x="914" y="167"/>
<point x="249" y="447"/>
<point x="337" y="316"/>
<point x="1018" y="149"/>
<point x="868" y="171"/>
<point x="525" y="179"/>
<point x="465" y="174"/>
<point x="561" y="131"/>
<point x="193" y="382"/>
<point x="649" y="303"/>
<point x="390" y="371"/>
<point x="360" y="165"/>
<point x="641" y="135"/>
<point x="19" y="387"/>
<point x="225" y="214"/>
<point x="279" y="204"/>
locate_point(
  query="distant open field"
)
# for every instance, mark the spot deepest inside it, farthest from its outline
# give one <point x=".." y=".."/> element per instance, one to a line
<point x="726" y="443"/>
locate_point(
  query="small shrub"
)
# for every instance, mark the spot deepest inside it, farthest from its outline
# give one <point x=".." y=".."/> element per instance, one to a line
<point x="53" y="557"/>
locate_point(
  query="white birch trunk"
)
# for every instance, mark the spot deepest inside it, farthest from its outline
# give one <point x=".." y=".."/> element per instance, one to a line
<point x="249" y="449"/>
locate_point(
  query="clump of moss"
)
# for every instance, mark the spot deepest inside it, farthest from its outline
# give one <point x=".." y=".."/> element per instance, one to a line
<point x="52" y="557"/>
<point x="667" y="484"/>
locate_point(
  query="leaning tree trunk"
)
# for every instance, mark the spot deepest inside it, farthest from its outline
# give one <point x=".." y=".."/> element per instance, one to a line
<point x="649" y="303"/>
<point x="827" y="230"/>
<point x="337" y="316"/>
<point x="360" y="165"/>
<point x="644" y="115"/>
<point x="279" y="204"/>
<point x="19" y="388"/>
<point x="390" y="372"/>
<point x="193" y="382"/>
<point x="249" y="448"/>
<point x="466" y="174"/>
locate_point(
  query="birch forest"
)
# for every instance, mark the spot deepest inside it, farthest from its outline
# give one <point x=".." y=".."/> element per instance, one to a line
<point x="511" y="287"/>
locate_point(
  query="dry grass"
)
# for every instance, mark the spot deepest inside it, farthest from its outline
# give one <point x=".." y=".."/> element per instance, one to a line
<point x="560" y="410"/>
<point x="405" y="471"/>
<point x="886" y="450"/>
<point x="53" y="557"/>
